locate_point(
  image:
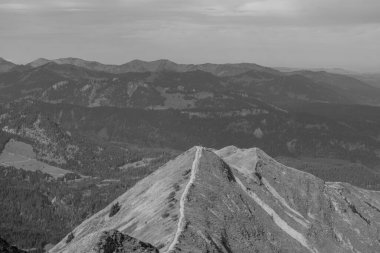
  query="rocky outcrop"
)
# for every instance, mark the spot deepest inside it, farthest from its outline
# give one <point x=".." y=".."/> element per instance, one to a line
<point x="115" y="242"/>
<point x="5" y="247"/>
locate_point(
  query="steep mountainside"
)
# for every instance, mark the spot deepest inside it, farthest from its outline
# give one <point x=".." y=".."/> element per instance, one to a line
<point x="284" y="89"/>
<point x="351" y="87"/>
<point x="5" y="66"/>
<point x="274" y="130"/>
<point x="370" y="78"/>
<point x="52" y="179"/>
<point x="235" y="200"/>
<point x="319" y="131"/>
<point x="359" y="117"/>
<point x="37" y="209"/>
<point x="25" y="123"/>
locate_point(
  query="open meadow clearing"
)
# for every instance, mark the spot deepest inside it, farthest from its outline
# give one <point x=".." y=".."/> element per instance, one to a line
<point x="21" y="156"/>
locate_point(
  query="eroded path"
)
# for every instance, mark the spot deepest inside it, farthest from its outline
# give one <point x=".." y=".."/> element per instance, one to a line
<point x="181" y="220"/>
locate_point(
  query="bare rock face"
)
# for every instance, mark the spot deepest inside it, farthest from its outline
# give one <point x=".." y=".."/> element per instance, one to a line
<point x="235" y="200"/>
<point x="5" y="247"/>
<point x="115" y="242"/>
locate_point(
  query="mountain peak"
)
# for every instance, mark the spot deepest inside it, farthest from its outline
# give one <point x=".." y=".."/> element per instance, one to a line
<point x="76" y="61"/>
<point x="149" y="210"/>
<point x="2" y="60"/>
<point x="5" y="65"/>
<point x="159" y="65"/>
<point x="38" y="62"/>
<point x="154" y="210"/>
<point x="152" y="66"/>
<point x="237" y="200"/>
<point x="165" y="61"/>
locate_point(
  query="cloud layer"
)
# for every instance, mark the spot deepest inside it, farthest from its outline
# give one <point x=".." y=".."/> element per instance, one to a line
<point x="310" y="33"/>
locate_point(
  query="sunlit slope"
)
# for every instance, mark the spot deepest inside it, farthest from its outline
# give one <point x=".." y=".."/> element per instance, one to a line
<point x="149" y="211"/>
<point x="235" y="200"/>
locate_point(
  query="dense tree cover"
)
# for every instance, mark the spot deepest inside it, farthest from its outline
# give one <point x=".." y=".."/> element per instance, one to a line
<point x="36" y="209"/>
<point x="78" y="153"/>
<point x="5" y="247"/>
<point x="282" y="133"/>
<point x="70" y="237"/>
<point x="333" y="170"/>
<point x="114" y="209"/>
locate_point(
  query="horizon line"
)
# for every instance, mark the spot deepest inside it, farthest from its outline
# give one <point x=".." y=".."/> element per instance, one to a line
<point x="294" y="68"/>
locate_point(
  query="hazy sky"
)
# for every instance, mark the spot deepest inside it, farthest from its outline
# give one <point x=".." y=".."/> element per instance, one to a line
<point x="306" y="33"/>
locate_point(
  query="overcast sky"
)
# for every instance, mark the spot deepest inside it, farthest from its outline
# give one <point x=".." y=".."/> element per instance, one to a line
<point x="292" y="33"/>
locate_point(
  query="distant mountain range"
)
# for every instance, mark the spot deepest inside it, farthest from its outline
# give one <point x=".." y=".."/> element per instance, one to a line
<point x="372" y="78"/>
<point x="234" y="200"/>
<point x="263" y="107"/>
<point x="155" y="66"/>
<point x="167" y="65"/>
<point x="164" y="84"/>
<point x="108" y="126"/>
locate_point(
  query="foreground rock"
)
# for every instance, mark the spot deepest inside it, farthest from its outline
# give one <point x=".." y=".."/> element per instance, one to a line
<point x="5" y="247"/>
<point x="235" y="200"/>
<point x="116" y="242"/>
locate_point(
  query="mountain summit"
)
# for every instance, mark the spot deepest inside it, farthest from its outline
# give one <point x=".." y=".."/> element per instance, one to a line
<point x="5" y="65"/>
<point x="157" y="66"/>
<point x="235" y="200"/>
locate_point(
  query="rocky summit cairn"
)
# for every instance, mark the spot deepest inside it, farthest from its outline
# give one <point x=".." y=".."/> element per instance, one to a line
<point x="115" y="242"/>
<point x="234" y="201"/>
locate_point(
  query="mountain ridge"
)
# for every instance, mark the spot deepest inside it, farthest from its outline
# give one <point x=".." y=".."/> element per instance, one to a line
<point x="5" y="65"/>
<point x="159" y="85"/>
<point x="266" y="207"/>
<point x="90" y="83"/>
<point x="155" y="66"/>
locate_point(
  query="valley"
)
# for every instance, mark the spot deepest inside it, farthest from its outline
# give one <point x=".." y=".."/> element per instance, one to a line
<point x="76" y="137"/>
<point x="21" y="156"/>
<point x="248" y="126"/>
